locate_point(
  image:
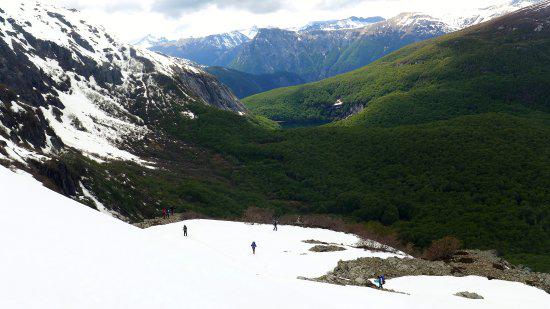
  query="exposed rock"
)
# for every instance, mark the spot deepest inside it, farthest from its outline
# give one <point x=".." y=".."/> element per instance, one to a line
<point x="323" y="248"/>
<point x="315" y="242"/>
<point x="464" y="263"/>
<point x="469" y="295"/>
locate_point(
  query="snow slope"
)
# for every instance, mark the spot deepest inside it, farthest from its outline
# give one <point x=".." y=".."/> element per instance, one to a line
<point x="59" y="254"/>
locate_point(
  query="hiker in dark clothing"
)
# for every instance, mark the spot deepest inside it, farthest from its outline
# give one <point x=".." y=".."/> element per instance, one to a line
<point x="172" y="210"/>
<point x="275" y="225"/>
<point x="380" y="281"/>
<point x="164" y="213"/>
<point x="253" y="247"/>
<point x="383" y="278"/>
<point x="185" y="230"/>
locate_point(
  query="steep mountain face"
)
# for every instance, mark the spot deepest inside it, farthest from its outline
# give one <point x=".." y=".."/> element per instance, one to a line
<point x="348" y="23"/>
<point x="246" y="84"/>
<point x="67" y="84"/>
<point x="497" y="66"/>
<point x="216" y="49"/>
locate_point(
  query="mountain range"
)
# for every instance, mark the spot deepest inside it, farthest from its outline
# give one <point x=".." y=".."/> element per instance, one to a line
<point x="323" y="49"/>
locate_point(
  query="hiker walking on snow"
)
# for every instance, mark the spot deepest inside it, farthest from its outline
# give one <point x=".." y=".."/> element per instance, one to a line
<point x="185" y="230"/>
<point x="275" y="225"/>
<point x="253" y="245"/>
<point x="379" y="282"/>
<point x="172" y="210"/>
<point x="164" y="213"/>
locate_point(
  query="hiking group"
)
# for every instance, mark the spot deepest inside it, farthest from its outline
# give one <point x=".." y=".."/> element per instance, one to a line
<point x="378" y="282"/>
<point x="167" y="212"/>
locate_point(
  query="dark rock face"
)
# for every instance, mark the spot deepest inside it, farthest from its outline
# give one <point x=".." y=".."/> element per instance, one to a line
<point x="65" y="180"/>
<point x="464" y="263"/>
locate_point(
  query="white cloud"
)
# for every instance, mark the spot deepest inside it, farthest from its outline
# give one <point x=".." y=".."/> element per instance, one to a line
<point x="132" y="19"/>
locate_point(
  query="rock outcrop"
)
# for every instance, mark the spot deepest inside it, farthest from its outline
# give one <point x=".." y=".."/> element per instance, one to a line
<point x="464" y="263"/>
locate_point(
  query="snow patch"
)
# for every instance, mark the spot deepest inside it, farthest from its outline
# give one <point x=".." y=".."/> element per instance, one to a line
<point x="188" y="114"/>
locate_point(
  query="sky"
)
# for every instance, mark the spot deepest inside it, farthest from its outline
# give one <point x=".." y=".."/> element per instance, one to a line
<point x="134" y="19"/>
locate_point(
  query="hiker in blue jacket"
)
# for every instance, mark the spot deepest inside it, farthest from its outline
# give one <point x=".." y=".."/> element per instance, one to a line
<point x="253" y="245"/>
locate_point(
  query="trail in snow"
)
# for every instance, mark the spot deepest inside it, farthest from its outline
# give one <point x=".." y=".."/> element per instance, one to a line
<point x="57" y="253"/>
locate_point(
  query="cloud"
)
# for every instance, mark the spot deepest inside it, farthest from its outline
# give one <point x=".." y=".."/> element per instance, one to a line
<point x="176" y="8"/>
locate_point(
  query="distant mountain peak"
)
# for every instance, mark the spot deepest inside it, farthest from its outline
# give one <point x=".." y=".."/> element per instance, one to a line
<point x="352" y="22"/>
<point x="149" y="41"/>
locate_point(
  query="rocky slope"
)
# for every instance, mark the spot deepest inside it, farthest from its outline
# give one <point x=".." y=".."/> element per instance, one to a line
<point x="463" y="263"/>
<point x="66" y="83"/>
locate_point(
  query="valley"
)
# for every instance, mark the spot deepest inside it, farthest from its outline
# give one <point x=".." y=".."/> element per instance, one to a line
<point x="412" y="146"/>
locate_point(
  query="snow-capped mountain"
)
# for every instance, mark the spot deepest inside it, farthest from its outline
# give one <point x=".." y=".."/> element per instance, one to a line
<point x="411" y="23"/>
<point x="348" y="23"/>
<point x="150" y="41"/>
<point x="250" y="32"/>
<point x="462" y="19"/>
<point x="67" y="84"/>
<point x="212" y="49"/>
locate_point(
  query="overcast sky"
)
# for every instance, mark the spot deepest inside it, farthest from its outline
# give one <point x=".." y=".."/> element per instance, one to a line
<point x="133" y="19"/>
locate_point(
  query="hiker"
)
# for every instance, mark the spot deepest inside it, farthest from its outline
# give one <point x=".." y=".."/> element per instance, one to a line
<point x="172" y="210"/>
<point x="383" y="279"/>
<point x="275" y="225"/>
<point x="379" y="281"/>
<point x="253" y="247"/>
<point x="164" y="213"/>
<point x="185" y="230"/>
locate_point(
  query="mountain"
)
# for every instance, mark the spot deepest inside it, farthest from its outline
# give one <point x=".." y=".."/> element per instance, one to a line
<point x="470" y="17"/>
<point x="497" y="66"/>
<point x="319" y="54"/>
<point x="348" y="23"/>
<point x="67" y="84"/>
<point x="150" y="41"/>
<point x="218" y="49"/>
<point x="245" y="84"/>
<point x="310" y="53"/>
